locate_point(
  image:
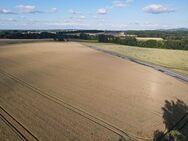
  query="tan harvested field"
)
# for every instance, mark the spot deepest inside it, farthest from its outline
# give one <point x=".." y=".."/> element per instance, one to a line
<point x="149" y="38"/>
<point x="67" y="91"/>
<point x="175" y="60"/>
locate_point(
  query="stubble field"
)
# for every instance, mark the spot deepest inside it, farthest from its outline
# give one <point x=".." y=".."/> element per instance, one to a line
<point x="175" y="60"/>
<point x="66" y="91"/>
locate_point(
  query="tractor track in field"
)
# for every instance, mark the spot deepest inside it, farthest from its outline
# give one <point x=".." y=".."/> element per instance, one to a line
<point x="124" y="135"/>
<point x="13" y="128"/>
<point x="16" y="126"/>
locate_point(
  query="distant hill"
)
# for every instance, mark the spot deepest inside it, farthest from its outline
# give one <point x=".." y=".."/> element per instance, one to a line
<point x="175" y="29"/>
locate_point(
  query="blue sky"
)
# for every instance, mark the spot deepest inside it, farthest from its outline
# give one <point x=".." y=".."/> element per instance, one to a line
<point x="93" y="14"/>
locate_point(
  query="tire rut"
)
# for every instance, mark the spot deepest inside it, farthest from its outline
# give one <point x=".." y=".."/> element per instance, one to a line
<point x="125" y="136"/>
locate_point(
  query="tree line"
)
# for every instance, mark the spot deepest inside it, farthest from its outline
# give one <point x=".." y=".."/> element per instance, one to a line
<point x="181" y="44"/>
<point x="172" y="40"/>
<point x="166" y="35"/>
<point x="26" y="35"/>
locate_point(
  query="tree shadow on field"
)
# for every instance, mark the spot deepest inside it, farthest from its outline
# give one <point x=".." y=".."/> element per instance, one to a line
<point x="175" y="118"/>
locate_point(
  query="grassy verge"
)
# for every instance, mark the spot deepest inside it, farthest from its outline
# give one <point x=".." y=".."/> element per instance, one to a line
<point x="176" y="60"/>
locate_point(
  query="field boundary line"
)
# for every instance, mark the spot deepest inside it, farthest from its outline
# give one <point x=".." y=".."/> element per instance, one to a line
<point x="137" y="61"/>
<point x="13" y="126"/>
<point x="124" y="135"/>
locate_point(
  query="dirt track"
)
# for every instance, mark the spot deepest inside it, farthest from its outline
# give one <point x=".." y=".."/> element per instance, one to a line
<point x="71" y="92"/>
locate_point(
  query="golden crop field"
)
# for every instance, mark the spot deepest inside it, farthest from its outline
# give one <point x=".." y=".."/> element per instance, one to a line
<point x="148" y="38"/>
<point x="56" y="91"/>
<point x="176" y="60"/>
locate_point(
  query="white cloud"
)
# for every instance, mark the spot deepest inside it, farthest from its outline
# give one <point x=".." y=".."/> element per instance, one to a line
<point x="95" y="17"/>
<point x="74" y="12"/>
<point x="7" y="20"/>
<point x="157" y="9"/>
<point x="75" y="18"/>
<point x="102" y="11"/>
<point x="53" y="10"/>
<point x="121" y="3"/>
<point x="6" y="11"/>
<point x="66" y="23"/>
<point x="119" y="26"/>
<point x="27" y="9"/>
<point x="82" y="17"/>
